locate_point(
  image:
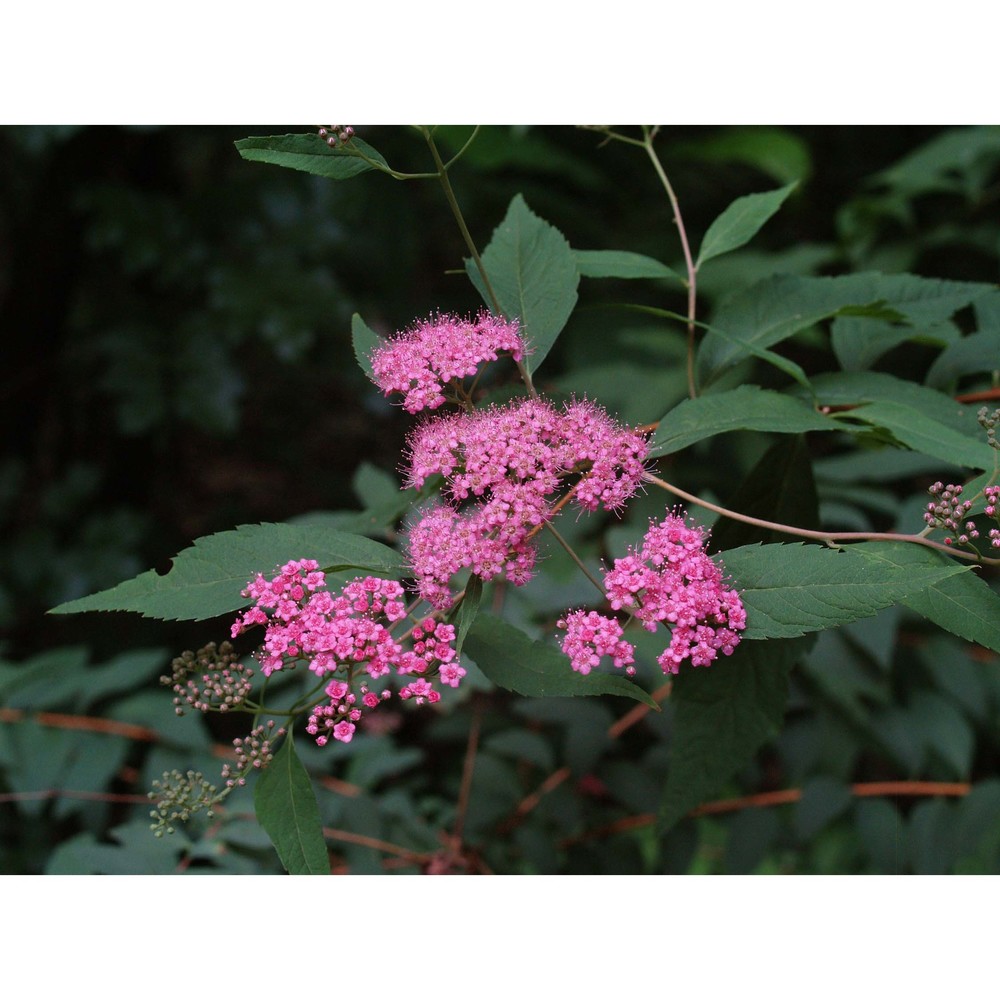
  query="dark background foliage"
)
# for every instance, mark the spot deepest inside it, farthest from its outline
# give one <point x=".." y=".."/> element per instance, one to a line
<point x="176" y="327"/>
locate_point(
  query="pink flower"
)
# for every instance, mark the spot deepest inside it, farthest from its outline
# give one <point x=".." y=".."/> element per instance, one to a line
<point x="669" y="579"/>
<point x="422" y="360"/>
<point x="505" y="466"/>
<point x="589" y="636"/>
<point x="340" y="636"/>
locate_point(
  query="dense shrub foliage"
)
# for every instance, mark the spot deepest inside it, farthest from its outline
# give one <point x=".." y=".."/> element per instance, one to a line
<point x="518" y="500"/>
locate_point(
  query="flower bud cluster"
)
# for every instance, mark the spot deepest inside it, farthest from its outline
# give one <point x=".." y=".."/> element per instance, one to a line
<point x="989" y="423"/>
<point x="421" y="361"/>
<point x="503" y="467"/>
<point x="992" y="496"/>
<point x="223" y="683"/>
<point x="948" y="511"/>
<point x="253" y="752"/>
<point x="589" y="636"/>
<point x="334" y="134"/>
<point x="341" y="636"/>
<point x="178" y="797"/>
<point x="670" y="579"/>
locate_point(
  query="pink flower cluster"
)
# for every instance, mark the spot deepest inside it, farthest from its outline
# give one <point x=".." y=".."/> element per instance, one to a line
<point x="669" y="579"/>
<point x="338" y="635"/>
<point x="589" y="636"/>
<point x="503" y="467"/>
<point x="420" y="361"/>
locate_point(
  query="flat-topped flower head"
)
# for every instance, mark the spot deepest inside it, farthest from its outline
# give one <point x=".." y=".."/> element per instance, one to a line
<point x="346" y="639"/>
<point x="421" y="361"/>
<point x="671" y="579"/>
<point x="504" y="467"/>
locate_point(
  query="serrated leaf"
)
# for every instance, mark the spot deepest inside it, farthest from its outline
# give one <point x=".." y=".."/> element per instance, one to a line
<point x="741" y="221"/>
<point x="515" y="662"/>
<point x="206" y="580"/>
<point x="923" y="434"/>
<point x="286" y="807"/>
<point x="964" y="605"/>
<point x="790" y="590"/>
<point x="722" y="714"/>
<point x="533" y="272"/>
<point x="311" y="154"/>
<point x="746" y="408"/>
<point x="621" y="264"/>
<point x="365" y="340"/>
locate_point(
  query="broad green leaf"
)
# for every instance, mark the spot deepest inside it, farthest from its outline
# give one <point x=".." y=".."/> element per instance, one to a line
<point x="923" y="434"/>
<point x="621" y="264"/>
<point x="964" y="604"/>
<point x="780" y="488"/>
<point x="772" y="310"/>
<point x="741" y="222"/>
<point x="206" y="580"/>
<point x="746" y="408"/>
<point x="286" y="807"/>
<point x="859" y="341"/>
<point x="979" y="352"/>
<point x="517" y="663"/>
<point x="311" y="154"/>
<point x="533" y="272"/>
<point x="790" y="590"/>
<point x="920" y="418"/>
<point x="722" y="715"/>
<point x="365" y="340"/>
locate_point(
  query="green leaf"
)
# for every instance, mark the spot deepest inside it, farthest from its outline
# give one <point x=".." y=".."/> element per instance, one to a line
<point x="741" y="222"/>
<point x="517" y="663"/>
<point x="365" y="340"/>
<point x="790" y="590"/>
<point x="311" y="154"/>
<point x="964" y="605"/>
<point x="206" y="580"/>
<point x="923" y="434"/>
<point x="920" y="418"/>
<point x="621" y="264"/>
<point x="467" y="611"/>
<point x="746" y="408"/>
<point x="722" y="715"/>
<point x="286" y="807"/>
<point x="533" y="272"/>
<point x="859" y="341"/>
<point x="772" y="310"/>
<point x="979" y="352"/>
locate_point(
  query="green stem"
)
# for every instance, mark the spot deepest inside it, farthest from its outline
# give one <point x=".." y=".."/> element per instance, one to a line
<point x="456" y="211"/>
<point x="562" y="541"/>
<point x="833" y="539"/>
<point x="692" y="269"/>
